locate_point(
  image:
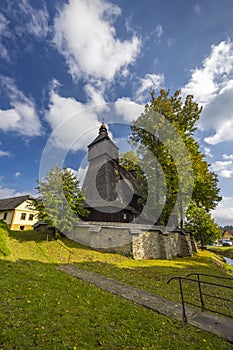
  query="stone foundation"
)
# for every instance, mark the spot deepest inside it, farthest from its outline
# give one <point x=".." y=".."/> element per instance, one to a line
<point x="136" y="241"/>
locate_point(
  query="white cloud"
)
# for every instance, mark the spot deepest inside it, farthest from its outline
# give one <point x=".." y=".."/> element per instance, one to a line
<point x="207" y="152"/>
<point x="146" y="84"/>
<point x="35" y="20"/>
<point x="228" y="156"/>
<point x="212" y="87"/>
<point x="128" y="110"/>
<point x="86" y="37"/>
<point x="159" y="31"/>
<point x="73" y="123"/>
<point x="95" y="93"/>
<point x="208" y="81"/>
<point x="4" y="32"/>
<point x="81" y="173"/>
<point x="6" y="192"/>
<point x="223" y="168"/>
<point x="218" y="115"/>
<point x="17" y="174"/>
<point x="22" y="117"/>
<point x="4" y="154"/>
<point x="223" y="214"/>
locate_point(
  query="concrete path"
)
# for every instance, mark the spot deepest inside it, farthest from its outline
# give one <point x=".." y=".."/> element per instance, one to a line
<point x="221" y="326"/>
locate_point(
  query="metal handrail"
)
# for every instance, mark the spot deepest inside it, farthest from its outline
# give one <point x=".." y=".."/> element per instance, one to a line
<point x="209" y="275"/>
<point x="201" y="293"/>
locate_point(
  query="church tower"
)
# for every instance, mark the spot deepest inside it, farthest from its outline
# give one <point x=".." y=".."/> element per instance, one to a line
<point x="110" y="191"/>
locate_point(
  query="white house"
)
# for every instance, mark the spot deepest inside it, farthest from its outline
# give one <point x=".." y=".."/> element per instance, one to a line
<point x="17" y="214"/>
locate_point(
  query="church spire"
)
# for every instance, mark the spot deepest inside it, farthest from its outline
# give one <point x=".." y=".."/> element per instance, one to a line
<point x="103" y="128"/>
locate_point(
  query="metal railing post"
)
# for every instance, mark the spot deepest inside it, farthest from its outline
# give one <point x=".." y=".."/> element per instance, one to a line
<point x="184" y="317"/>
<point x="200" y="293"/>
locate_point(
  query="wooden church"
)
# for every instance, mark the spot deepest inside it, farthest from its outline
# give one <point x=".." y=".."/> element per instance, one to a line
<point x="111" y="192"/>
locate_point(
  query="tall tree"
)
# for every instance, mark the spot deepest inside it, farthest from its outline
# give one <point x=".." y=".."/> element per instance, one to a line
<point x="60" y="201"/>
<point x="131" y="162"/>
<point x="178" y="161"/>
<point x="202" y="225"/>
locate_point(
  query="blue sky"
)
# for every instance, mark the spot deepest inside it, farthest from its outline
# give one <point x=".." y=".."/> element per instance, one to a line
<point x="64" y="65"/>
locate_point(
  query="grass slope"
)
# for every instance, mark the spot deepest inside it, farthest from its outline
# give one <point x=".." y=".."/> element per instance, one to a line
<point x="3" y="239"/>
<point x="225" y="251"/>
<point x="42" y="308"/>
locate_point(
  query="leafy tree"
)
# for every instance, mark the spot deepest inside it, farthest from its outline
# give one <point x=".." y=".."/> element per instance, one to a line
<point x="60" y="201"/>
<point x="151" y="135"/>
<point x="131" y="162"/>
<point x="202" y="225"/>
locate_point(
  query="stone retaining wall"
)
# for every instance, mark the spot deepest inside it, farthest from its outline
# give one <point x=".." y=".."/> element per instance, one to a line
<point x="136" y="241"/>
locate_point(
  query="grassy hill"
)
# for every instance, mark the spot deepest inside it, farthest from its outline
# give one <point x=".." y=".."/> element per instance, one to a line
<point x="42" y="308"/>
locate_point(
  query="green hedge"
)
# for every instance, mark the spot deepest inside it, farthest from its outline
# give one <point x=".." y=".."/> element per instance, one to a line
<point x="3" y="239"/>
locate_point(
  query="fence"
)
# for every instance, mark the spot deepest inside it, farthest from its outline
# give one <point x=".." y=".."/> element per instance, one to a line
<point x="61" y="248"/>
<point x="202" y="294"/>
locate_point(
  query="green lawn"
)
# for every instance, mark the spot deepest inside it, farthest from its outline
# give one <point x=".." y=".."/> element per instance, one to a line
<point x="225" y="251"/>
<point x="42" y="308"/>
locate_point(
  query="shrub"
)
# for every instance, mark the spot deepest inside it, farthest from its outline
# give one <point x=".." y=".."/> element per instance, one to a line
<point x="3" y="239"/>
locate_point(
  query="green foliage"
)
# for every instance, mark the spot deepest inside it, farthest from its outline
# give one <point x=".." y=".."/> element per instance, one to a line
<point x="202" y="225"/>
<point x="168" y="176"/>
<point x="3" y="239"/>
<point x="205" y="191"/>
<point x="131" y="162"/>
<point x="60" y="203"/>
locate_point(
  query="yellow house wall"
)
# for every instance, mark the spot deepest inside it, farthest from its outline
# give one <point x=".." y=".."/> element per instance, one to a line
<point x="227" y="235"/>
<point x="17" y="221"/>
<point x="9" y="216"/>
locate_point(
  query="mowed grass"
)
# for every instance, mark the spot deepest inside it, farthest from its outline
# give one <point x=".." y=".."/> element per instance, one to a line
<point x="225" y="251"/>
<point x="42" y="308"/>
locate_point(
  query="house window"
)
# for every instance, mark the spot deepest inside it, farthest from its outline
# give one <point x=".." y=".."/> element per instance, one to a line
<point x="4" y="216"/>
<point x="23" y="216"/>
<point x="21" y="228"/>
<point x="31" y="216"/>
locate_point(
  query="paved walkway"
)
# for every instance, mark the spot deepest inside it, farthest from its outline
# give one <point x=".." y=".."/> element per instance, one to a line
<point x="221" y="326"/>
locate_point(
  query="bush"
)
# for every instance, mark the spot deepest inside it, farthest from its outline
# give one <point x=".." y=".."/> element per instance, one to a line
<point x="3" y="239"/>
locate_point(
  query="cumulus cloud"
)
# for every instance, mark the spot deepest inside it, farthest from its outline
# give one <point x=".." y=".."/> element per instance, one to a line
<point x="73" y="123"/>
<point x="223" y="168"/>
<point x="212" y="87"/>
<point x="127" y="110"/>
<point x="223" y="214"/>
<point x="22" y="116"/>
<point x="146" y="84"/>
<point x="228" y="156"/>
<point x="208" y="81"/>
<point x="86" y="37"/>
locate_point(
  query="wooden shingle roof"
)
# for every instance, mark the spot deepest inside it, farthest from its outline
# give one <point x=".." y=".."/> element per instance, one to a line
<point x="13" y="202"/>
